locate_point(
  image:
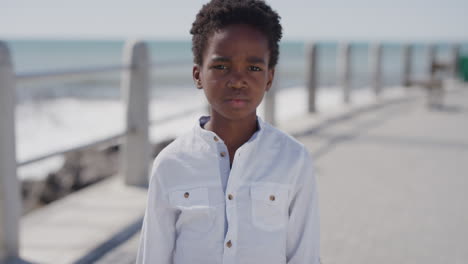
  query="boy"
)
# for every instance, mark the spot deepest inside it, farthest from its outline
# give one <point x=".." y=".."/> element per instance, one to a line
<point x="234" y="189"/>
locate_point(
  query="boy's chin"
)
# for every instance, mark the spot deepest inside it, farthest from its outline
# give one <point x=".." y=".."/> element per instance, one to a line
<point x="236" y="115"/>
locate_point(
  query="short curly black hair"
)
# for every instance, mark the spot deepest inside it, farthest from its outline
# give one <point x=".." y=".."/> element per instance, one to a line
<point x="218" y="14"/>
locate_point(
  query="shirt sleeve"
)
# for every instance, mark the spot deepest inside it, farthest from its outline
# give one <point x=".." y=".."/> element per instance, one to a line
<point x="158" y="232"/>
<point x="303" y="238"/>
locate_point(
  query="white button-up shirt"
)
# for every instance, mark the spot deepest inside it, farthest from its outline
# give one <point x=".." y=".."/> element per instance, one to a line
<point x="263" y="210"/>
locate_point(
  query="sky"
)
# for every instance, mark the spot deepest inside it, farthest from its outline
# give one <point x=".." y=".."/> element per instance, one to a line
<point x="323" y="20"/>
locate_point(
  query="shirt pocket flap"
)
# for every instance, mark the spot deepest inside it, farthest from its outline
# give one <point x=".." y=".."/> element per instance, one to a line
<point x="273" y="194"/>
<point x="190" y="198"/>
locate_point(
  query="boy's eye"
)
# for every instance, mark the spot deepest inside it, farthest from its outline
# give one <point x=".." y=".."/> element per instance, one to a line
<point x="254" y="68"/>
<point x="219" y="67"/>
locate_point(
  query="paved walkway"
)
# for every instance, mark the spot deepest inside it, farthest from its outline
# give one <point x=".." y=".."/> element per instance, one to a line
<point x="393" y="184"/>
<point x="393" y="181"/>
<point x="83" y="226"/>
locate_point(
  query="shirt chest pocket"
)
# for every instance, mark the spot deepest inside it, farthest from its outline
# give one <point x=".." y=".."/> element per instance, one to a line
<point x="197" y="215"/>
<point x="269" y="206"/>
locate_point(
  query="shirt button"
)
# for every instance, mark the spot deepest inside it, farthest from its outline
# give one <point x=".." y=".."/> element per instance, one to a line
<point x="215" y="138"/>
<point x="230" y="197"/>
<point x="223" y="154"/>
<point x="229" y="244"/>
<point x="272" y="198"/>
<point x="186" y="195"/>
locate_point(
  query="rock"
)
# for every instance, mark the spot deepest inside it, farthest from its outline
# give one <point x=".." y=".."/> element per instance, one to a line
<point x="80" y="169"/>
<point x="30" y="191"/>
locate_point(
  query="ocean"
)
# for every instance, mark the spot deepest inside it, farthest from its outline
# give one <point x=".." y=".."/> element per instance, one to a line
<point x="47" y="55"/>
<point x="55" y="114"/>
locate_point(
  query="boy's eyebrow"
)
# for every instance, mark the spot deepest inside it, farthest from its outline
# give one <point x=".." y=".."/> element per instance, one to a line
<point x="256" y="60"/>
<point x="220" y="59"/>
<point x="251" y="59"/>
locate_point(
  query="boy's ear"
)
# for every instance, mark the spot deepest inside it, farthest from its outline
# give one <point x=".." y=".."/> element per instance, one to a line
<point x="271" y="76"/>
<point x="196" y="76"/>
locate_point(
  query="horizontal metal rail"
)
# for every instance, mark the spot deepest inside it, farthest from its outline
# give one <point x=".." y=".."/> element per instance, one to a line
<point x="77" y="148"/>
<point x="32" y="76"/>
<point x="169" y="63"/>
<point x="27" y="76"/>
<point x="106" y="140"/>
<point x="175" y="116"/>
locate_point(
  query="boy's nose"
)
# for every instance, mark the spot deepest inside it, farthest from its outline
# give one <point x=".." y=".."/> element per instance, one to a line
<point x="237" y="80"/>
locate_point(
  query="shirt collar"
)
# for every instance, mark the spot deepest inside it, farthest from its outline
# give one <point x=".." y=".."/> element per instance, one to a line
<point x="209" y="135"/>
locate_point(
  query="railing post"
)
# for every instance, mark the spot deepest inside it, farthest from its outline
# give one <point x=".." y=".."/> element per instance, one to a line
<point x="135" y="91"/>
<point x="344" y="70"/>
<point x="10" y="199"/>
<point x="312" y="76"/>
<point x="454" y="61"/>
<point x="270" y="99"/>
<point x="431" y="57"/>
<point x="407" y="64"/>
<point x="375" y="64"/>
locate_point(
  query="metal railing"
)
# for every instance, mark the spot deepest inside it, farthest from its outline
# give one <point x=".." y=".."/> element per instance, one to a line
<point x="135" y="82"/>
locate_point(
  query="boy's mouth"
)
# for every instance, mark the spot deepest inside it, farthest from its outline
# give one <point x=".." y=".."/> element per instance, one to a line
<point x="237" y="102"/>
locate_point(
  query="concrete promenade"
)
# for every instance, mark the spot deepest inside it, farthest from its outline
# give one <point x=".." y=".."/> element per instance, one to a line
<point x="83" y="226"/>
<point x="393" y="188"/>
<point x="393" y="184"/>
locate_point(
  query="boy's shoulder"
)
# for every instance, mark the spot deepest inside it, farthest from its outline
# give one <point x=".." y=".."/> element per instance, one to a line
<point x="183" y="148"/>
<point x="187" y="154"/>
<point x="274" y="136"/>
<point x="182" y="143"/>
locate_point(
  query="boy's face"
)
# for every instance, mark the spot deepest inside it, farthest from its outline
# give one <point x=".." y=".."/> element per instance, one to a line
<point x="235" y="73"/>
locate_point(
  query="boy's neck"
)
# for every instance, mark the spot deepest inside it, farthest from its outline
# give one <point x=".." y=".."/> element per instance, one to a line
<point x="233" y="133"/>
